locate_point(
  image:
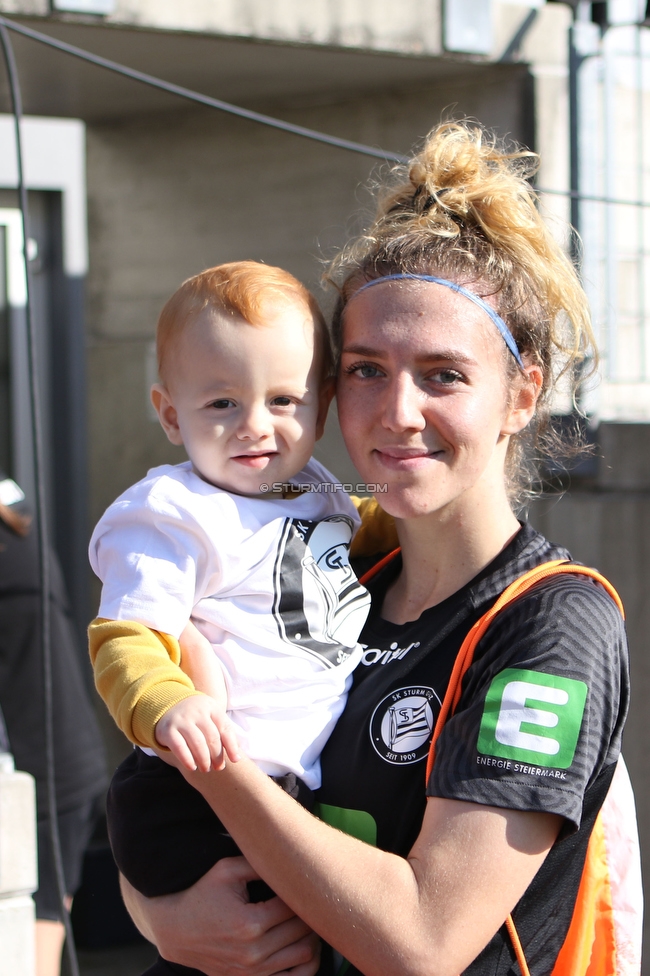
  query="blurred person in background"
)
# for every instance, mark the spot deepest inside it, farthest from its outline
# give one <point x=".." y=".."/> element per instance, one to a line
<point x="80" y="766"/>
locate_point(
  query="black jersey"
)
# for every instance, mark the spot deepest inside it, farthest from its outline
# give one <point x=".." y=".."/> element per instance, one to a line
<point x="537" y="728"/>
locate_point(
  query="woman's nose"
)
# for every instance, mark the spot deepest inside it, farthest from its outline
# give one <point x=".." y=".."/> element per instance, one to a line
<point x="403" y="407"/>
<point x="255" y="422"/>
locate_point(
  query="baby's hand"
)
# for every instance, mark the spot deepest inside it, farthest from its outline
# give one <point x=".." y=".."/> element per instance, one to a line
<point x="199" y="733"/>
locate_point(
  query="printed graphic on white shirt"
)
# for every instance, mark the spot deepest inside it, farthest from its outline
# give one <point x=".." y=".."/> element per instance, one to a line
<point x="532" y="717"/>
<point x="319" y="605"/>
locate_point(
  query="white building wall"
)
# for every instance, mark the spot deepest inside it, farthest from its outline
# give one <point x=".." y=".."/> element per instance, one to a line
<point x="411" y="26"/>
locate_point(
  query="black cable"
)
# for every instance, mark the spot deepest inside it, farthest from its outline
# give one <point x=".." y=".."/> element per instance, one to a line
<point x="168" y="86"/>
<point x="41" y="507"/>
<point x="244" y="113"/>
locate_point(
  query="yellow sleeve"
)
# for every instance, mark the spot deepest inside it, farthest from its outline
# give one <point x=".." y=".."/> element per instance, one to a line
<point x="377" y="533"/>
<point x="137" y="674"/>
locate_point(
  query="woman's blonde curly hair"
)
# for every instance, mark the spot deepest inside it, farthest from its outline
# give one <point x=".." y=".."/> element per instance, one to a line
<point x="464" y="209"/>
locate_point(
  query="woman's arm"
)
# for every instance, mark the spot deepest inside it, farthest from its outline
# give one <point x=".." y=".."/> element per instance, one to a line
<point x="214" y="928"/>
<point x="430" y="913"/>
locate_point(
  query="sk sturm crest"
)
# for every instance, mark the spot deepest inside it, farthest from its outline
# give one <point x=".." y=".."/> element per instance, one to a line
<point x="402" y="724"/>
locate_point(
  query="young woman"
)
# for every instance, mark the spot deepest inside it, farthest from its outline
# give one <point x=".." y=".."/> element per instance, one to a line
<point x="457" y="313"/>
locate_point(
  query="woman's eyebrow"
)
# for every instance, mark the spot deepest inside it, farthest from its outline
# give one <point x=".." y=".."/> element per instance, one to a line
<point x="448" y="356"/>
<point x="436" y="355"/>
<point x="361" y="351"/>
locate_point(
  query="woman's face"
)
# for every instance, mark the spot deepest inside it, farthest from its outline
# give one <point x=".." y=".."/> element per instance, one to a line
<point x="424" y="399"/>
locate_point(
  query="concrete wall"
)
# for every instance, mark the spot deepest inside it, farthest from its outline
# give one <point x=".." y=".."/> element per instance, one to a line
<point x="605" y="522"/>
<point x="409" y="26"/>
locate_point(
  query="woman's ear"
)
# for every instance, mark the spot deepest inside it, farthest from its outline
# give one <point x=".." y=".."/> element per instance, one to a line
<point x="164" y="407"/>
<point x="324" y="399"/>
<point x="524" y="398"/>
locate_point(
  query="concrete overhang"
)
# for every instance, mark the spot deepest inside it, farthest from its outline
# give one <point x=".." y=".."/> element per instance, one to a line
<point x="243" y="71"/>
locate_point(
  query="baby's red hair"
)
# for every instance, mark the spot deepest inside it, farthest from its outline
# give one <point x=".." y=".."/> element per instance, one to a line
<point x="244" y="288"/>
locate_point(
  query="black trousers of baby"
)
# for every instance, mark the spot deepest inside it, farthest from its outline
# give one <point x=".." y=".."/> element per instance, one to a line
<point x="165" y="836"/>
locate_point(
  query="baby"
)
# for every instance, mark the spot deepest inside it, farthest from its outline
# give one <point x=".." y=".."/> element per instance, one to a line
<point x="248" y="539"/>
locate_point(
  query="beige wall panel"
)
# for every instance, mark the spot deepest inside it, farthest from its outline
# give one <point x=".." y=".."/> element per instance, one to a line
<point x="409" y="26"/>
<point x="31" y="7"/>
<point x="123" y="438"/>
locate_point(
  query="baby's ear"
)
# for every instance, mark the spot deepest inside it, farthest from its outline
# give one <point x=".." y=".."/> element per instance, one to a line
<point x="325" y="395"/>
<point x="164" y="407"/>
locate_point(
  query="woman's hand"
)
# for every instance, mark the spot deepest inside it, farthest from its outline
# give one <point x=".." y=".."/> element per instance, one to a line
<point x="214" y="928"/>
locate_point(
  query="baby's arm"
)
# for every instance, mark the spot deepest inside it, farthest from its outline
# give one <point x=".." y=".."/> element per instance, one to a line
<point x="197" y="730"/>
<point x="200" y="663"/>
<point x="138" y="675"/>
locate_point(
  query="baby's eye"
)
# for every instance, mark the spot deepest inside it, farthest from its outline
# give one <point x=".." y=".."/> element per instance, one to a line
<point x="281" y="401"/>
<point x="222" y="404"/>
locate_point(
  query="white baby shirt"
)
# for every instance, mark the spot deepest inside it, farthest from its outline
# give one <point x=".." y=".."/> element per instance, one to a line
<point x="267" y="580"/>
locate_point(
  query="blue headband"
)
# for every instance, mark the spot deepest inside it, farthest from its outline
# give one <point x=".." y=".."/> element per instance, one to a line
<point x="496" y="318"/>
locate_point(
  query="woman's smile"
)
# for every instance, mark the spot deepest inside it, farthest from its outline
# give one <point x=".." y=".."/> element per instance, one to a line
<point x="406" y="458"/>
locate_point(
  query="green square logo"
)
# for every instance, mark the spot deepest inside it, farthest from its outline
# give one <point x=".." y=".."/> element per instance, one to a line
<point x="532" y="718"/>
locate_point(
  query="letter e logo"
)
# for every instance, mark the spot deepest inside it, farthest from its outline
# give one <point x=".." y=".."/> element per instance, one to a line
<point x="532" y="717"/>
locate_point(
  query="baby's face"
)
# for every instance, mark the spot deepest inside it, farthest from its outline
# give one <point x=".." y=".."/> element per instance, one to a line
<point x="244" y="400"/>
